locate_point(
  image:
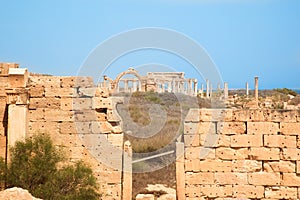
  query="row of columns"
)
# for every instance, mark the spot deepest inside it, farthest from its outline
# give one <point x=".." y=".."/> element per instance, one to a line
<point x="188" y="87"/>
<point x="136" y="85"/>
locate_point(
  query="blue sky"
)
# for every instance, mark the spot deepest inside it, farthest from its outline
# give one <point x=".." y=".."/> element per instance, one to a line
<point x="244" y="38"/>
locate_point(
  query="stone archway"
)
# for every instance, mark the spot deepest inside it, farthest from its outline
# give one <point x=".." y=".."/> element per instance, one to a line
<point x="115" y="83"/>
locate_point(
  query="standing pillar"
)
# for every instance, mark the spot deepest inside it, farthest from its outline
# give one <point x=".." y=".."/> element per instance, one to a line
<point x="207" y="88"/>
<point x="180" y="172"/>
<point x="247" y="89"/>
<point x="211" y="90"/>
<point x="190" y="87"/>
<point x="127" y="172"/>
<point x="125" y="86"/>
<point x="256" y="88"/>
<point x="17" y="116"/>
<point x="195" y="87"/>
<point x="169" y="86"/>
<point x="225" y="90"/>
<point x="134" y="85"/>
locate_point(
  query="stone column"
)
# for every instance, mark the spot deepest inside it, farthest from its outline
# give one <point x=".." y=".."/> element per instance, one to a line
<point x="219" y="86"/>
<point x="127" y="172"/>
<point x="225" y="90"/>
<point x="247" y="89"/>
<point x="211" y="90"/>
<point x="195" y="87"/>
<point x="169" y="86"/>
<point x="256" y="88"/>
<point x="126" y="86"/>
<point x="17" y="115"/>
<point x="134" y="85"/>
<point x="180" y="172"/>
<point x="207" y="88"/>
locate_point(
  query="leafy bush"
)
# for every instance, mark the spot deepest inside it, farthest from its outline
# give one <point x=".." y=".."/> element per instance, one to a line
<point x="34" y="166"/>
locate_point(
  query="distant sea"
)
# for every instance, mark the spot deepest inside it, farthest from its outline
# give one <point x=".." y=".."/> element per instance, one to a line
<point x="297" y="90"/>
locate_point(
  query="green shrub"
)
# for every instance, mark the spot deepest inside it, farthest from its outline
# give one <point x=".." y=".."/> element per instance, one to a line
<point x="34" y="166"/>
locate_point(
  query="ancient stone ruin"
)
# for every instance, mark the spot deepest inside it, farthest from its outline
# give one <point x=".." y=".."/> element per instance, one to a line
<point x="222" y="154"/>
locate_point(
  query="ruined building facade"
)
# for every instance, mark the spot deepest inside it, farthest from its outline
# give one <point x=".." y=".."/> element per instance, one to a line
<point x="223" y="153"/>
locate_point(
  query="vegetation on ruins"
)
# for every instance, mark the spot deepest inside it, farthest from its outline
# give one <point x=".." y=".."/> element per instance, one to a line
<point x="36" y="165"/>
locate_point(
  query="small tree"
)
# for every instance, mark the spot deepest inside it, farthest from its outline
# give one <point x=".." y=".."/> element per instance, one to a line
<point x="33" y="166"/>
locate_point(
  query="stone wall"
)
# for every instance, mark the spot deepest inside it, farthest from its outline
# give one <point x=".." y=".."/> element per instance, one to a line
<point x="78" y="116"/>
<point x="251" y="154"/>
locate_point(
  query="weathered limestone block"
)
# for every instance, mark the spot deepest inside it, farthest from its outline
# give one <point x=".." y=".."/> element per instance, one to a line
<point x="279" y="166"/>
<point x="192" y="140"/>
<point x="116" y="139"/>
<point x="101" y="116"/>
<point x="53" y="103"/>
<point x="262" y="153"/>
<point x="85" y="116"/>
<point x="246" y="166"/>
<point x="4" y="82"/>
<point x="193" y="116"/>
<point x="231" y="178"/>
<point x="191" y="128"/>
<point x="212" y="115"/>
<point x="290" y="128"/>
<point x="209" y="140"/>
<point x="298" y="167"/>
<point x="231" y="128"/>
<point x="145" y="197"/>
<point x="83" y="127"/>
<point x="280" y="141"/>
<point x="281" y="192"/>
<point x="110" y="176"/>
<point x="66" y="103"/>
<point x="241" y="115"/>
<point x="246" y="140"/>
<point x="67" y="81"/>
<point x="248" y="191"/>
<point x="192" y="153"/>
<point x="99" y="102"/>
<point x="192" y="165"/>
<point x="290" y="179"/>
<point x="60" y="92"/>
<point x="223" y="141"/>
<point x="112" y="191"/>
<point x="285" y="115"/>
<point x="44" y="81"/>
<point x="87" y="92"/>
<point x="264" y="178"/>
<point x="84" y="82"/>
<point x="76" y="153"/>
<point x="43" y="127"/>
<point x="256" y="115"/>
<point x="192" y="191"/>
<point x="36" y="115"/>
<point x="232" y="154"/>
<point x="36" y="91"/>
<point x="82" y="103"/>
<point x="216" y="190"/>
<point x="262" y="128"/>
<point x="199" y="178"/>
<point x="200" y="128"/>
<point x="101" y="127"/>
<point x="215" y="166"/>
<point x="290" y="154"/>
<point x="66" y="140"/>
<point x="55" y="115"/>
<point x="101" y="92"/>
<point x="67" y="127"/>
